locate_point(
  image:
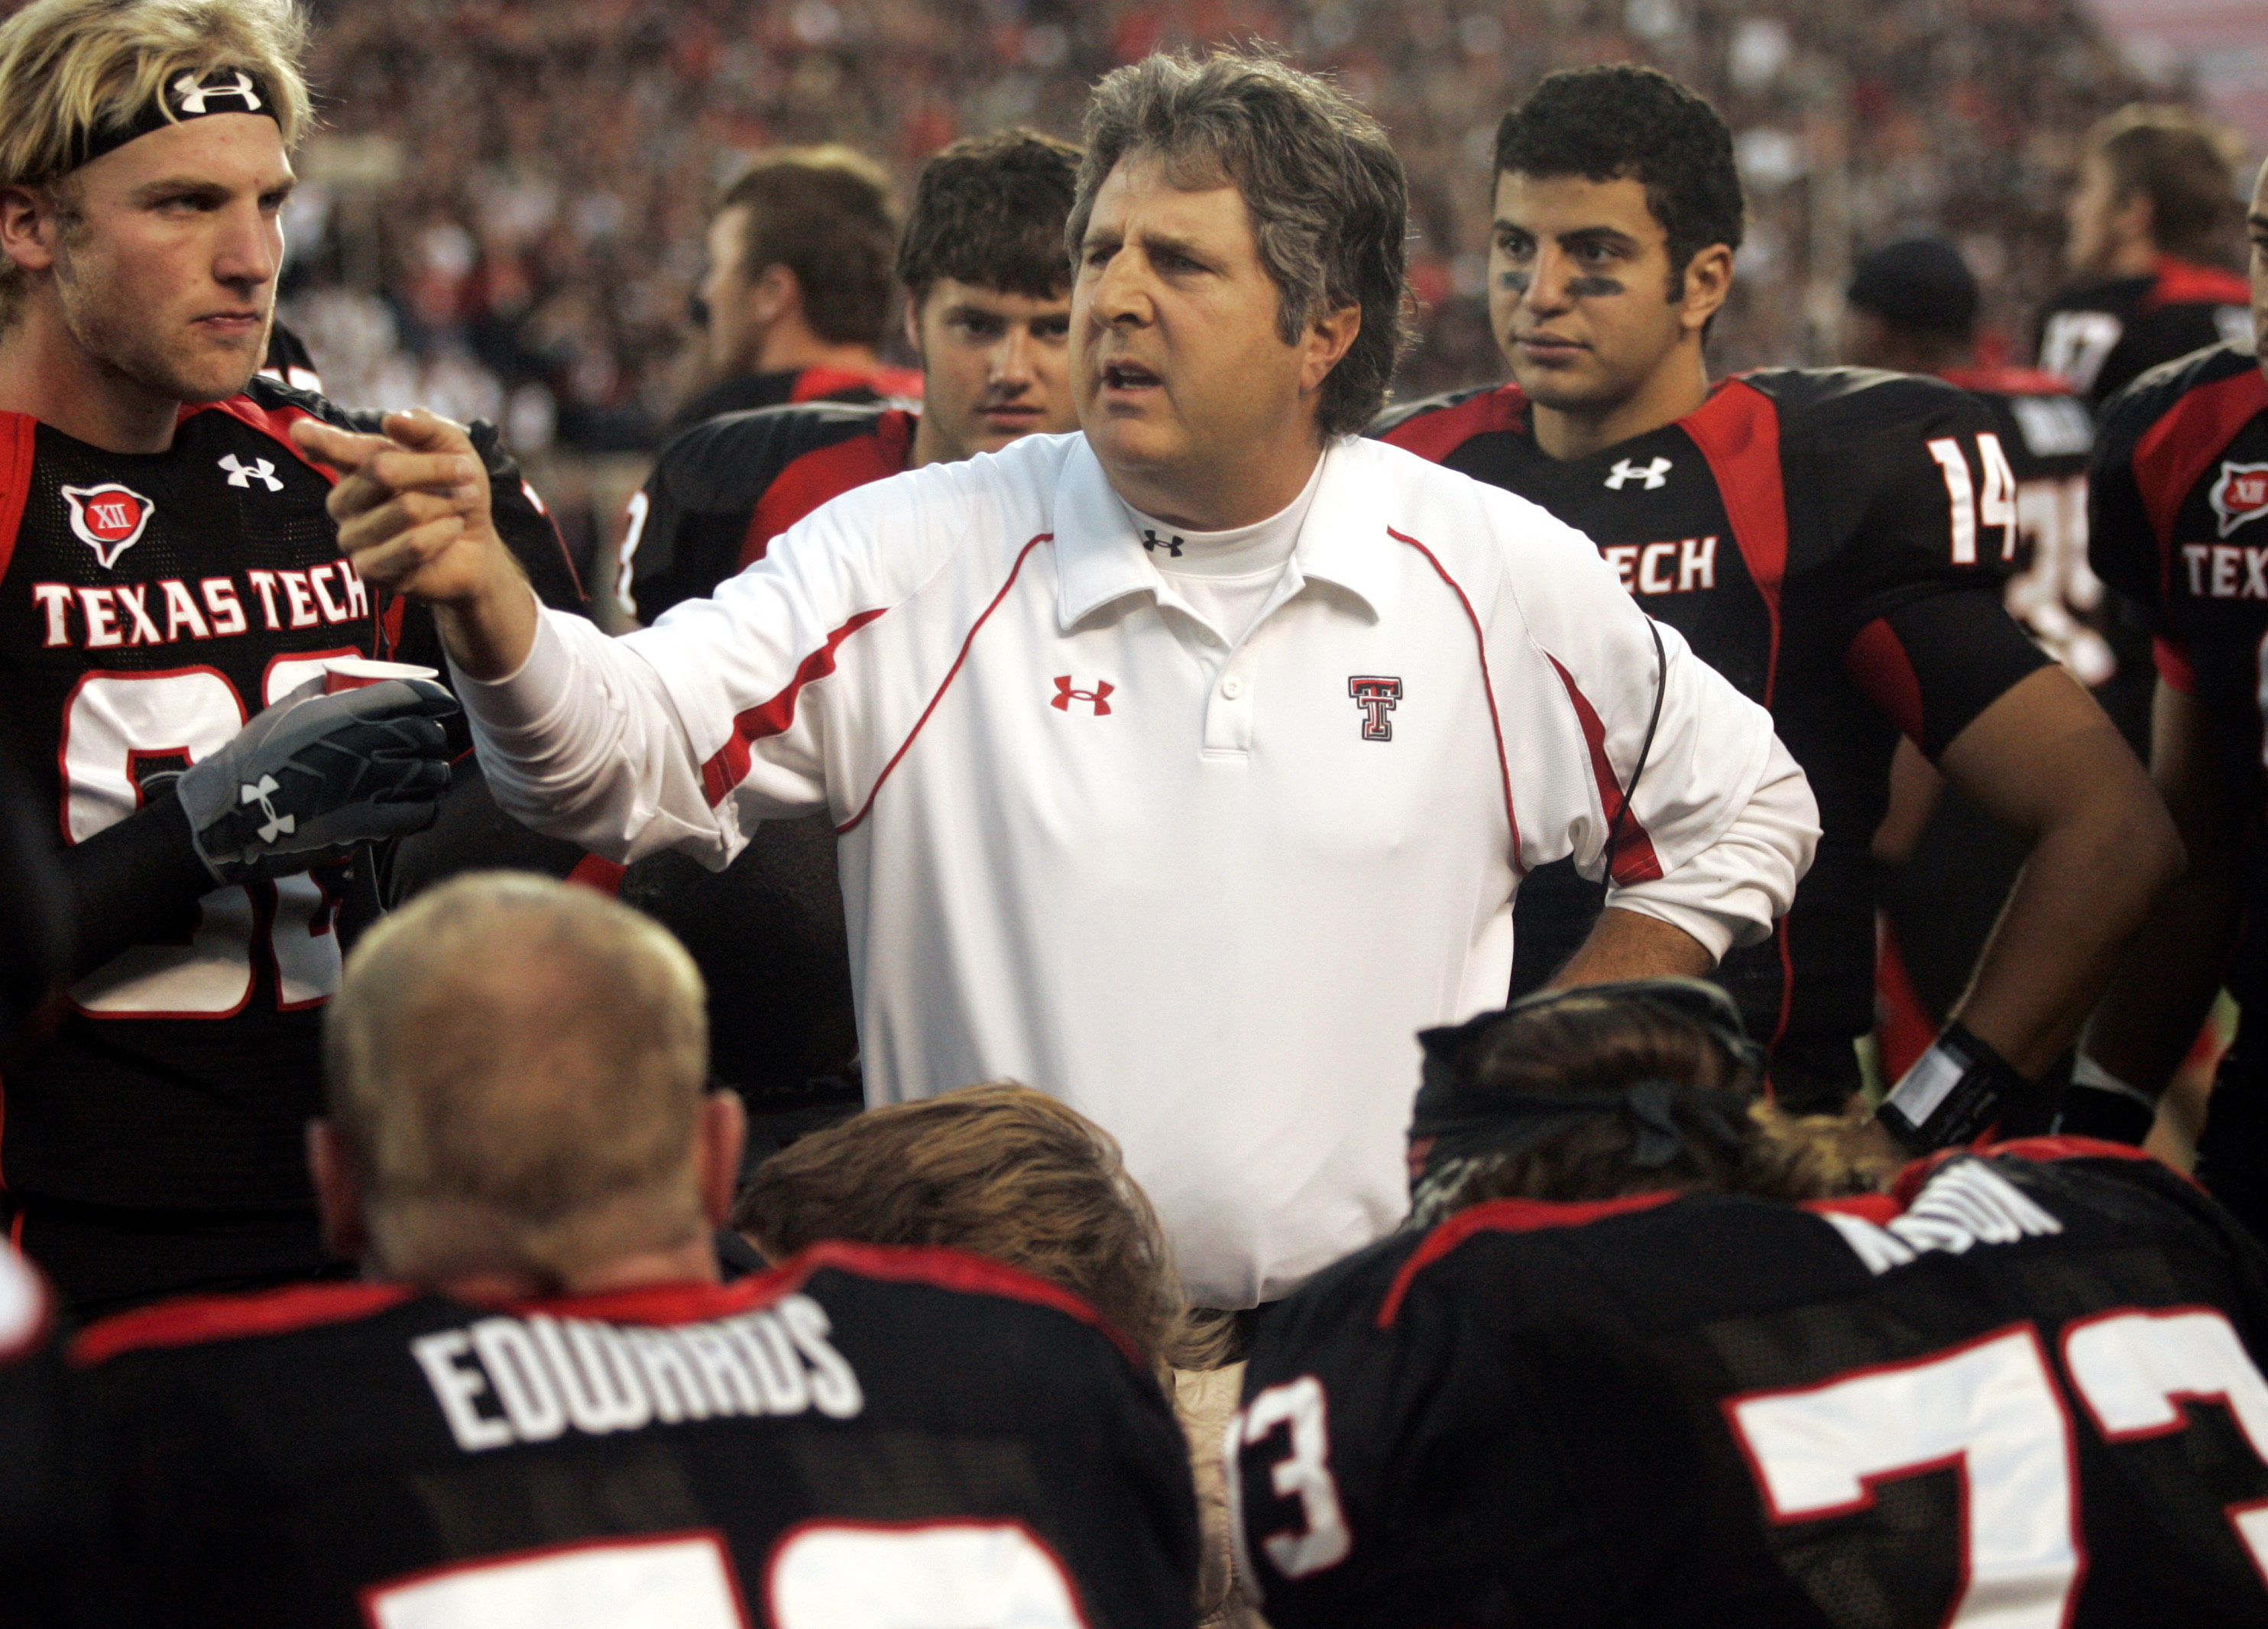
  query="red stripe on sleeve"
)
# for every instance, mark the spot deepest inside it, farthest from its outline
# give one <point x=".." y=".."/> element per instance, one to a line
<point x="825" y="474"/>
<point x="1634" y="859"/>
<point x="1435" y="435"/>
<point x="1878" y="665"/>
<point x="729" y="766"/>
<point x="2173" y="452"/>
<point x="194" y="1320"/>
<point x="1738" y="431"/>
<point x="2172" y="658"/>
<point x="1508" y="1216"/>
<point x="19" y="446"/>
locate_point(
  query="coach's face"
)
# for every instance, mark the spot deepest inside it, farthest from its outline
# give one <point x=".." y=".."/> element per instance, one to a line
<point x="1580" y="290"/>
<point x="165" y="253"/>
<point x="1193" y="402"/>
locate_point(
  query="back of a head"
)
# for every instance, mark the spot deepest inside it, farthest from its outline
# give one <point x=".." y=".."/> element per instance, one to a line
<point x="1608" y="1090"/>
<point x="1918" y="285"/>
<point x="518" y="1068"/>
<point x="73" y="71"/>
<point x="998" y="1170"/>
<point x="2185" y="164"/>
<point x="1321" y="186"/>
<point x="824" y="213"/>
<point x="989" y="210"/>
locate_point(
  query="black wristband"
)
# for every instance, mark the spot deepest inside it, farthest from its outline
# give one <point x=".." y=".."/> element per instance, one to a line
<point x="1952" y="1095"/>
<point x="135" y="882"/>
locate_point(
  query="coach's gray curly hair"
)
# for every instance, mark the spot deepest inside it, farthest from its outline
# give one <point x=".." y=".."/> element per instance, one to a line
<point x="1325" y="189"/>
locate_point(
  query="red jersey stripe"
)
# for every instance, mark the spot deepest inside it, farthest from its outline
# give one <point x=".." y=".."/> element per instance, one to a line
<point x="825" y="474"/>
<point x="2174" y="453"/>
<point x="728" y="767"/>
<point x="1878" y="664"/>
<point x="1434" y="436"/>
<point x="196" y="1319"/>
<point x="1634" y="859"/>
<point x="18" y="445"/>
<point x="1738" y="432"/>
<point x="1507" y="1216"/>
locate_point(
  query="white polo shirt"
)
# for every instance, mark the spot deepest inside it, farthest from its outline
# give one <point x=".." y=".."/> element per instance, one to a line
<point x="1207" y="892"/>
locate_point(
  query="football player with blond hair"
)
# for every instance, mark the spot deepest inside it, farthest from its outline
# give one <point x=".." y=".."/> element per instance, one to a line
<point x="176" y="608"/>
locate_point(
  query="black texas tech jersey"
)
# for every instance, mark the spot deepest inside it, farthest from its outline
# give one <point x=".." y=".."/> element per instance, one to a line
<point x="1830" y="540"/>
<point x="2025" y="1391"/>
<point x="866" y="1435"/>
<point x="722" y="491"/>
<point x="2180" y="524"/>
<point x="150" y="604"/>
<point x="2101" y="336"/>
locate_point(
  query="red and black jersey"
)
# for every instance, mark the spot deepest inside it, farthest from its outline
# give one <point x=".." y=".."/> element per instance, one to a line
<point x="722" y="491"/>
<point x="2179" y="523"/>
<point x="865" y="1435"/>
<point x="2025" y="1390"/>
<point x="1832" y="541"/>
<point x="2101" y="336"/>
<point x="150" y="604"/>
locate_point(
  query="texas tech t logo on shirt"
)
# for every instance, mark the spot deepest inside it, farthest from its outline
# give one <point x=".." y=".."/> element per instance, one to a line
<point x="108" y="519"/>
<point x="2241" y="494"/>
<point x="1376" y="696"/>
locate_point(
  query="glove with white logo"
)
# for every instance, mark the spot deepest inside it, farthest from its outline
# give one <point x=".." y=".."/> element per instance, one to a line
<point x="315" y="775"/>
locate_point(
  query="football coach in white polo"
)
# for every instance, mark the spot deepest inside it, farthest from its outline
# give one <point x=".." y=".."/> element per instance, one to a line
<point x="1184" y="767"/>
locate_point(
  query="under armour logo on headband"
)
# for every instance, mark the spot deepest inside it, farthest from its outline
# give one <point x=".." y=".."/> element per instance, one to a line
<point x="185" y="96"/>
<point x="192" y="99"/>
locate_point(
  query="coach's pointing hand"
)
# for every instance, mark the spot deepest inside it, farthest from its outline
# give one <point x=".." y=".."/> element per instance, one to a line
<point x="412" y="506"/>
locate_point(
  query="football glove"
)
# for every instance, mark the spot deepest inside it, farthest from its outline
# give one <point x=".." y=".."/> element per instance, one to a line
<point x="312" y="776"/>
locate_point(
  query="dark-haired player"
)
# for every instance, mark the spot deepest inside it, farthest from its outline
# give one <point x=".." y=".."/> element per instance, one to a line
<point x="1657" y="1360"/>
<point x="989" y="312"/>
<point x="797" y="301"/>
<point x="541" y="1408"/>
<point x="168" y="572"/>
<point x="2180" y="522"/>
<point x="2147" y="221"/>
<point x="1832" y="541"/>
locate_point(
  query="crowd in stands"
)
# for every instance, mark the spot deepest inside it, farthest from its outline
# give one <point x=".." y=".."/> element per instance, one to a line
<point x="505" y="204"/>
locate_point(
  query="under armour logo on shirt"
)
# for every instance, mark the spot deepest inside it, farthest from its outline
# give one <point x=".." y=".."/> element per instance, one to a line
<point x="1151" y="541"/>
<point x="260" y="470"/>
<point x="1097" y="698"/>
<point x="1655" y="474"/>
<point x="190" y="97"/>
<point x="276" y="825"/>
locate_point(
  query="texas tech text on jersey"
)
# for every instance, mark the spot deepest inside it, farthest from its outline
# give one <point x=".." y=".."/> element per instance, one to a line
<point x="150" y="604"/>
<point x="2031" y="1380"/>
<point x="1833" y="541"/>
<point x="863" y="1423"/>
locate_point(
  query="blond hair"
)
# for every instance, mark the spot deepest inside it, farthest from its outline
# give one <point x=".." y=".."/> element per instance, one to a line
<point x="518" y="1069"/>
<point x="71" y="68"/>
<point x="999" y="1170"/>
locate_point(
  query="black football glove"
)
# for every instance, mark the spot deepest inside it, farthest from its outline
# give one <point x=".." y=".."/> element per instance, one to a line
<point x="315" y="775"/>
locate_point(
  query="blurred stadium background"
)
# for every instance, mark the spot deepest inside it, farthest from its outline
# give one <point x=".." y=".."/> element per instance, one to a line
<point x="502" y="215"/>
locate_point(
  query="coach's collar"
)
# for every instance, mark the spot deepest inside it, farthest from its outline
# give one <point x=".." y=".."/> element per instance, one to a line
<point x="1098" y="559"/>
<point x="186" y="95"/>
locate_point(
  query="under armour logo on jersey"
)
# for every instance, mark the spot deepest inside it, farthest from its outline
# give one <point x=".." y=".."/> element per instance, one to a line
<point x="276" y="825"/>
<point x="1376" y="697"/>
<point x="260" y="470"/>
<point x="1151" y="541"/>
<point x="1655" y="474"/>
<point x="2241" y="494"/>
<point x="108" y="519"/>
<point x="1098" y="698"/>
<point x="192" y="97"/>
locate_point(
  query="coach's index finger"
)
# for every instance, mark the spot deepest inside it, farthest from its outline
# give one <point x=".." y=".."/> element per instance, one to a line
<point x="419" y="452"/>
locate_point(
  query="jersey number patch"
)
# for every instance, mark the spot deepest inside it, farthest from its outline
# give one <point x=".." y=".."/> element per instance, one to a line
<point x="1998" y="506"/>
<point x="115" y="725"/>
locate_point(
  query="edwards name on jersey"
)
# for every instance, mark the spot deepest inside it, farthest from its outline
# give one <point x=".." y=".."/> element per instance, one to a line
<point x="1833" y="541"/>
<point x="2025" y="1390"/>
<point x="722" y="491"/>
<point x="864" y="1436"/>
<point x="150" y="604"/>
